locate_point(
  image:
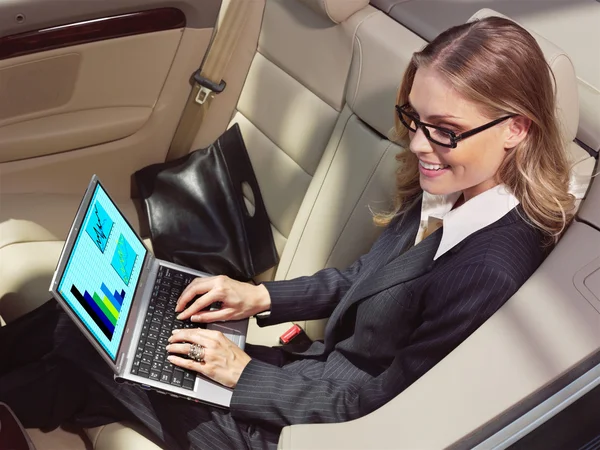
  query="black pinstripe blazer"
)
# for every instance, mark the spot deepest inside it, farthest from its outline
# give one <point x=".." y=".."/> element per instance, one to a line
<point x="394" y="314"/>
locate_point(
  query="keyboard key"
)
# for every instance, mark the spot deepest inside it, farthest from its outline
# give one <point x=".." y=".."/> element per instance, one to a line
<point x="154" y="326"/>
<point x="188" y="384"/>
<point x="144" y="369"/>
<point x="189" y="375"/>
<point x="177" y="378"/>
<point x="147" y="359"/>
<point x="152" y="335"/>
<point x="149" y="349"/>
<point x="165" y="377"/>
<point x="165" y="332"/>
<point x="163" y="342"/>
<point x="161" y="304"/>
<point x="160" y="356"/>
<point x="168" y="367"/>
<point x="157" y="365"/>
<point x="151" y="342"/>
<point x="155" y="374"/>
<point x="156" y="319"/>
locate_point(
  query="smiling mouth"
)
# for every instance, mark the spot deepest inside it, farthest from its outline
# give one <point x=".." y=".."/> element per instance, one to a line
<point x="433" y="166"/>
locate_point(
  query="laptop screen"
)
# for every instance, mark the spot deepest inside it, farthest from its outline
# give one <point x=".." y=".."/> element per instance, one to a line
<point x="102" y="272"/>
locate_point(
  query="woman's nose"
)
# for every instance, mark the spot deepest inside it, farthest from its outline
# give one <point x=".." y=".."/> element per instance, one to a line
<point x="419" y="142"/>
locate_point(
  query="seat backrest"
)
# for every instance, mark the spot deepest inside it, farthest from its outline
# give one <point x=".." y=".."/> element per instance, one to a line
<point x="292" y="97"/>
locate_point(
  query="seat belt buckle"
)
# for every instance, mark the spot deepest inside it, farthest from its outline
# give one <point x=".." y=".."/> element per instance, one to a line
<point x="207" y="87"/>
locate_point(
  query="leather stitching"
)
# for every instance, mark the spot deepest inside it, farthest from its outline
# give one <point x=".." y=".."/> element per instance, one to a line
<point x="324" y="6"/>
<point x="357" y="39"/>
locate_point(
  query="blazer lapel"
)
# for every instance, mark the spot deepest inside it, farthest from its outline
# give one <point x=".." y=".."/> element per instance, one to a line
<point x="409" y="265"/>
<point x="390" y="251"/>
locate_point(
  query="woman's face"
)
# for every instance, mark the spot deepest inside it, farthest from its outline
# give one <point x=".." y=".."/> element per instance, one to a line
<point x="471" y="167"/>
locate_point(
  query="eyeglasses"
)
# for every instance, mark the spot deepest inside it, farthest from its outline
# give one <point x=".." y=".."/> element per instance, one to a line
<point x="439" y="135"/>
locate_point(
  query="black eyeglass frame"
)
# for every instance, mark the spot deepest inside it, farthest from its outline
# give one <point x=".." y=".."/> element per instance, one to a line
<point x="454" y="138"/>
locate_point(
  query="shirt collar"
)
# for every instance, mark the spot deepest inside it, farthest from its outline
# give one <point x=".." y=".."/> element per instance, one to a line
<point x="472" y="216"/>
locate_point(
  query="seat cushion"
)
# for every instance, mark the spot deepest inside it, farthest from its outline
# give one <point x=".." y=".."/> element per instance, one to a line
<point x="121" y="435"/>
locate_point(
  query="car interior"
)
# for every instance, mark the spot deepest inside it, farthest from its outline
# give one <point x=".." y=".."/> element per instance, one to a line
<point x="312" y="85"/>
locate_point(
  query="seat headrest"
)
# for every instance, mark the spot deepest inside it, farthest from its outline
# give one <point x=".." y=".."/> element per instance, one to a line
<point x="336" y="10"/>
<point x="567" y="95"/>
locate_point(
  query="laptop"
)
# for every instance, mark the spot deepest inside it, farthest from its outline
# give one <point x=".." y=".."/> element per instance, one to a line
<point x="123" y="299"/>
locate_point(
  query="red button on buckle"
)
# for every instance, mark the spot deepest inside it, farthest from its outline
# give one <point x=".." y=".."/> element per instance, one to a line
<point x="290" y="334"/>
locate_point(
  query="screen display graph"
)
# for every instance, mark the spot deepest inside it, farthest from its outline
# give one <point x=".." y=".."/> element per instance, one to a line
<point x="102" y="272"/>
<point x="124" y="259"/>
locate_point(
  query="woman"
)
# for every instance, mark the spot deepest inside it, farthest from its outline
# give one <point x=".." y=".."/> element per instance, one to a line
<point x="482" y="196"/>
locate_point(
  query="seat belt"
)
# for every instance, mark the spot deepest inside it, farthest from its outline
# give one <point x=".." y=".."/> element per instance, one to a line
<point x="208" y="79"/>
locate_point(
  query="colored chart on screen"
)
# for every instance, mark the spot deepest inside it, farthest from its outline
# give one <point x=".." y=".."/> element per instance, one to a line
<point x="103" y="307"/>
<point x="99" y="281"/>
<point x="99" y="226"/>
<point x="123" y="259"/>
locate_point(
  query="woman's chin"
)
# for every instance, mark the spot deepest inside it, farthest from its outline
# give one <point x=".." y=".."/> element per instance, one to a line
<point x="433" y="188"/>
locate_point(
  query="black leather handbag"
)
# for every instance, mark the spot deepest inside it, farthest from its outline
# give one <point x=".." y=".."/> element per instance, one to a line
<point x="197" y="215"/>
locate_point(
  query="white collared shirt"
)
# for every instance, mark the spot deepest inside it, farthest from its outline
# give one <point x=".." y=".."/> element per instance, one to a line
<point x="458" y="224"/>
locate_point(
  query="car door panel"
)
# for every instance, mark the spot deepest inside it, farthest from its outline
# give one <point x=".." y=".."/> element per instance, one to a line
<point x="100" y="95"/>
<point x="81" y="90"/>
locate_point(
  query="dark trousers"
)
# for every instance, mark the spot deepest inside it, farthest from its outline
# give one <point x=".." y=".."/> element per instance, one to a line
<point x="50" y="375"/>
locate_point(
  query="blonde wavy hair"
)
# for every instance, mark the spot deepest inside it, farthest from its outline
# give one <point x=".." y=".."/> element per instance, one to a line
<point x="499" y="66"/>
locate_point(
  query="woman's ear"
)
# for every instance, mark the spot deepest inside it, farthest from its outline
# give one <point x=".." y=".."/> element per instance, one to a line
<point x="516" y="131"/>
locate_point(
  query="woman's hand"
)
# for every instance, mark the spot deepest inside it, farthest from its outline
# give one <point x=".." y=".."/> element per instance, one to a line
<point x="238" y="300"/>
<point x="223" y="361"/>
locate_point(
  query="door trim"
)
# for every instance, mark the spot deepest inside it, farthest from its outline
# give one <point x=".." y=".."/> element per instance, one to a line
<point x="93" y="30"/>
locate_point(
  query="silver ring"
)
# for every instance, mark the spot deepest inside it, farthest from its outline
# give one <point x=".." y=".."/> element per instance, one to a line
<point x="196" y="353"/>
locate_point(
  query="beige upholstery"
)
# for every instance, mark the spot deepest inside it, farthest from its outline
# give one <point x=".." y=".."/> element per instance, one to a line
<point x="337" y="10"/>
<point x="315" y="107"/>
<point x="121" y="436"/>
<point x="58" y="439"/>
<point x="289" y="105"/>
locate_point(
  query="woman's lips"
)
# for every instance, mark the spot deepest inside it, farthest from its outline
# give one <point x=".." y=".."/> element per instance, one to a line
<point x="432" y="173"/>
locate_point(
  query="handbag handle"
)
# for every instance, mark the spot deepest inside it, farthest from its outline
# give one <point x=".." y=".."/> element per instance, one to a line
<point x="257" y="225"/>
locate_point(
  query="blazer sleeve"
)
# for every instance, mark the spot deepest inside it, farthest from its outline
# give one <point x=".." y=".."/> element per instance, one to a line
<point x="308" y="298"/>
<point x="456" y="304"/>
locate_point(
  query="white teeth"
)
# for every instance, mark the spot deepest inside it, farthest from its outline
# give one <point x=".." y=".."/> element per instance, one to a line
<point x="432" y="166"/>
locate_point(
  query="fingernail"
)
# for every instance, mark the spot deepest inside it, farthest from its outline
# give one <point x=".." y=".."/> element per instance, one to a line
<point x="179" y="316"/>
<point x="170" y="358"/>
<point x="167" y="347"/>
<point x="175" y="331"/>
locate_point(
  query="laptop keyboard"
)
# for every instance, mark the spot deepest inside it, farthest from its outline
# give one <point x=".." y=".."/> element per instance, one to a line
<point x="151" y="356"/>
